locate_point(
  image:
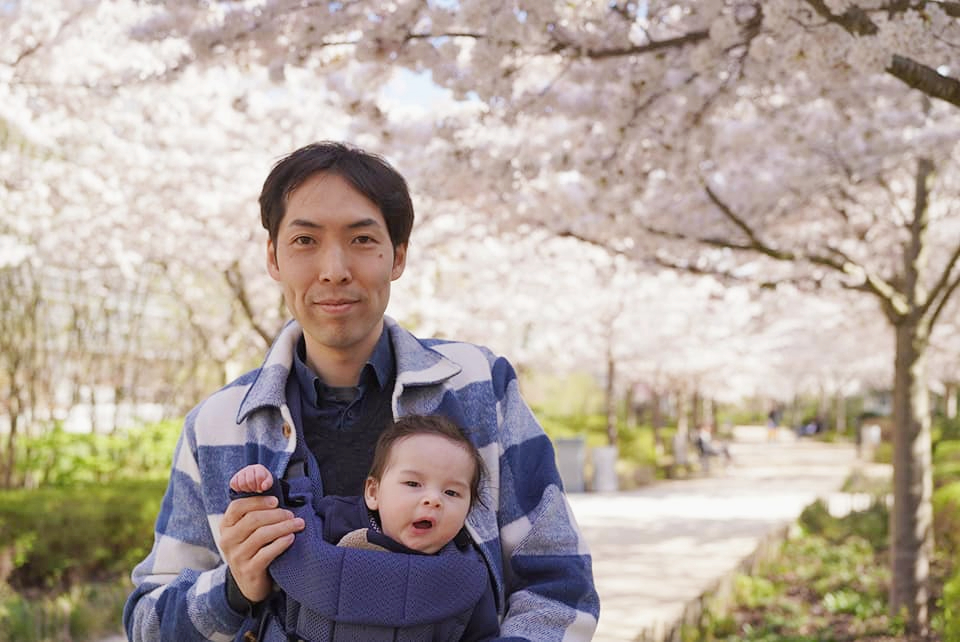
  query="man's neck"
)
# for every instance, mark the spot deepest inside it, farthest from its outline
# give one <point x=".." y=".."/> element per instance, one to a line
<point x="340" y="368"/>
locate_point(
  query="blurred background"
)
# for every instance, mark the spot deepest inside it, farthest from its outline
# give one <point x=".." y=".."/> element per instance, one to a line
<point x="665" y="214"/>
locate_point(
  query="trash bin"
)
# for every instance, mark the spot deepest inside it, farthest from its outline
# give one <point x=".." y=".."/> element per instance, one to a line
<point x="571" y="457"/>
<point x="605" y="469"/>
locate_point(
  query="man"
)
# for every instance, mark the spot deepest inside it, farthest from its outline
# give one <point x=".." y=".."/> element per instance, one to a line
<point x="339" y="221"/>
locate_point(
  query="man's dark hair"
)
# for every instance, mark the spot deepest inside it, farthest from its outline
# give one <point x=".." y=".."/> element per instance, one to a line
<point x="426" y="425"/>
<point x="368" y="173"/>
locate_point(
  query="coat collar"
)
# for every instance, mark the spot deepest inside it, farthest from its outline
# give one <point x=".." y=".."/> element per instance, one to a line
<point x="417" y="365"/>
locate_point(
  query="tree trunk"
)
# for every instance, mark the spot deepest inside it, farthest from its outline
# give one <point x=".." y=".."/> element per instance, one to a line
<point x="11" y="452"/>
<point x="611" y="401"/>
<point x="841" y="410"/>
<point x="683" y="413"/>
<point x="630" y="408"/>
<point x="951" y="400"/>
<point x="656" y="421"/>
<point x="911" y="520"/>
<point x="823" y="407"/>
<point x="696" y="409"/>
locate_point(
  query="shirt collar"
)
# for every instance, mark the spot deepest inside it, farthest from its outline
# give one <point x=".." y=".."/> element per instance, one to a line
<point x="379" y="368"/>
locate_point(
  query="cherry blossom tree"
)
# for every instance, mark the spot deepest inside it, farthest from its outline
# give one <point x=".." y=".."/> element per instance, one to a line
<point x="792" y="143"/>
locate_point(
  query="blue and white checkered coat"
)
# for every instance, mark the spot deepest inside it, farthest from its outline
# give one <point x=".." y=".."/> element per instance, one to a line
<point x="539" y="563"/>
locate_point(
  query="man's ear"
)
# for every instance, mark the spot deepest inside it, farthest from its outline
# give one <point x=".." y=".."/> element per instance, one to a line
<point x="371" y="492"/>
<point x="273" y="268"/>
<point x="399" y="261"/>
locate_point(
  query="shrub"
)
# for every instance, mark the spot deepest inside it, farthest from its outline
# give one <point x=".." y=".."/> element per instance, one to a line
<point x="944" y="451"/>
<point x="82" y="613"/>
<point x="872" y="524"/>
<point x="950" y="616"/>
<point x="635" y="444"/>
<point x="61" y="458"/>
<point x="946" y="472"/>
<point x="946" y="518"/>
<point x="63" y="536"/>
<point x="947" y="428"/>
<point x="883" y="453"/>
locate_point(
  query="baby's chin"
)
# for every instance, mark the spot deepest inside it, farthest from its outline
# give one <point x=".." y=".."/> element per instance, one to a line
<point x="420" y="546"/>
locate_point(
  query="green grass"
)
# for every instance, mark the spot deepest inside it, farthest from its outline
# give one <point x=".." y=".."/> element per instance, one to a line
<point x="827" y="581"/>
<point x="85" y="612"/>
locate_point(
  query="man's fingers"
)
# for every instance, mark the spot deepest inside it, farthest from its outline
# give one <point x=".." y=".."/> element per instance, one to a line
<point x="257" y="529"/>
<point x="271" y="551"/>
<point x="239" y="508"/>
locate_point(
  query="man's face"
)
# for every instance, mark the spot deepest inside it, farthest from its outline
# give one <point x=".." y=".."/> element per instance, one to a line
<point x="334" y="258"/>
<point x="424" y="494"/>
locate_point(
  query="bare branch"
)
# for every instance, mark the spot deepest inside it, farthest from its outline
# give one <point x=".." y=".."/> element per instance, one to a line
<point x="925" y="79"/>
<point x="755" y="243"/>
<point x="944" y="287"/>
<point x="235" y="281"/>
<point x="857" y="22"/>
<point x="29" y="51"/>
<point x="947" y="292"/>
<point x="894" y="200"/>
<point x="870" y="282"/>
<point x="637" y="50"/>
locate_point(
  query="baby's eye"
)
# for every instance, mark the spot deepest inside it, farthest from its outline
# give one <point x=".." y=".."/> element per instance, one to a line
<point x="452" y="493"/>
<point x="411" y="484"/>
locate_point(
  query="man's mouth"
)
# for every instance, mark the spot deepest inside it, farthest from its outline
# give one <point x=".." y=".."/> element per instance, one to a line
<point x="335" y="305"/>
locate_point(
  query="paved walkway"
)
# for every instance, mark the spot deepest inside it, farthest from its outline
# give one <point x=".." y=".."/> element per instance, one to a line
<point x="658" y="548"/>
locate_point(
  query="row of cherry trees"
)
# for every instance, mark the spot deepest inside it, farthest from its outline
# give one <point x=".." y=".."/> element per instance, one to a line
<point x="791" y="163"/>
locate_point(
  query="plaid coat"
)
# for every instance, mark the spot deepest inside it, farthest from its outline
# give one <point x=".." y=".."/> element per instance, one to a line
<point x="525" y="530"/>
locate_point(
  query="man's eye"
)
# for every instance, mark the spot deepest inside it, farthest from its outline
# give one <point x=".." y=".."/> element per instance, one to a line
<point x="364" y="240"/>
<point x="302" y="240"/>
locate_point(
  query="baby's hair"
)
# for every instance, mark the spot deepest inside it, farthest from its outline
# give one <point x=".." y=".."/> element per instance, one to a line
<point x="411" y="425"/>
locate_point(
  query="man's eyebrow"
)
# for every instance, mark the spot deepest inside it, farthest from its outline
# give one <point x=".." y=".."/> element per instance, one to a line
<point x="364" y="222"/>
<point x="359" y="224"/>
<point x="302" y="222"/>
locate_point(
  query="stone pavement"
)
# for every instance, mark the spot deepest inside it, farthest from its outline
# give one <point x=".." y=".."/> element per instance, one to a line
<point x="657" y="549"/>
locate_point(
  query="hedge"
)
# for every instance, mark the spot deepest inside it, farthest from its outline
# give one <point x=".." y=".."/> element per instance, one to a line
<point x="54" y="538"/>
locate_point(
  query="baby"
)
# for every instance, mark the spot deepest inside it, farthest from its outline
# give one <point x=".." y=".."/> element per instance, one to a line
<point x="424" y="479"/>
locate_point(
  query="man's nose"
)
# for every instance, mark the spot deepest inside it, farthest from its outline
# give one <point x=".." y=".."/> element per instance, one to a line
<point x="334" y="265"/>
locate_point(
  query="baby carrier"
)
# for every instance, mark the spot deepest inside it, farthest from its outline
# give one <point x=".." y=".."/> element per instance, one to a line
<point x="329" y="593"/>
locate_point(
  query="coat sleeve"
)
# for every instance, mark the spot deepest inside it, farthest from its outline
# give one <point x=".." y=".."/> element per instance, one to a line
<point x="550" y="593"/>
<point x="179" y="589"/>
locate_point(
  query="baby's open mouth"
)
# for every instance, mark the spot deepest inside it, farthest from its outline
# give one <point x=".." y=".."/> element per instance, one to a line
<point x="423" y="523"/>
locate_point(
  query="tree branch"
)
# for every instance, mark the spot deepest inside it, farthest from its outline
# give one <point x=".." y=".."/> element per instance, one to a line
<point x="857" y="22"/>
<point x="29" y="51"/>
<point x="235" y="281"/>
<point x="925" y="79"/>
<point x="872" y="283"/>
<point x="944" y="298"/>
<point x="943" y="288"/>
<point x="755" y="243"/>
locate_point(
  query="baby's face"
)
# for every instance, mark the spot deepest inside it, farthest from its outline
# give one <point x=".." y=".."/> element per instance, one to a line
<point x="424" y="494"/>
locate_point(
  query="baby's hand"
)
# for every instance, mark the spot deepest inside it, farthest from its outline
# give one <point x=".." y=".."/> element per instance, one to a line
<point x="254" y="478"/>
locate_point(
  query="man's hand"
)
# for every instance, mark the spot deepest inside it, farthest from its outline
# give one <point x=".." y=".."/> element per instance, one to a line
<point x="252" y="534"/>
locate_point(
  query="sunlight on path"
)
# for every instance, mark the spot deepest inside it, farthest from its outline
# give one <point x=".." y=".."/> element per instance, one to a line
<point x="659" y="547"/>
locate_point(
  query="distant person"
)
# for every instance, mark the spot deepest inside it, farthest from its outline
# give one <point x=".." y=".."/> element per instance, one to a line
<point x="709" y="446"/>
<point x="425" y="476"/>
<point x="811" y="427"/>
<point x="773" y="424"/>
<point x="338" y="222"/>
